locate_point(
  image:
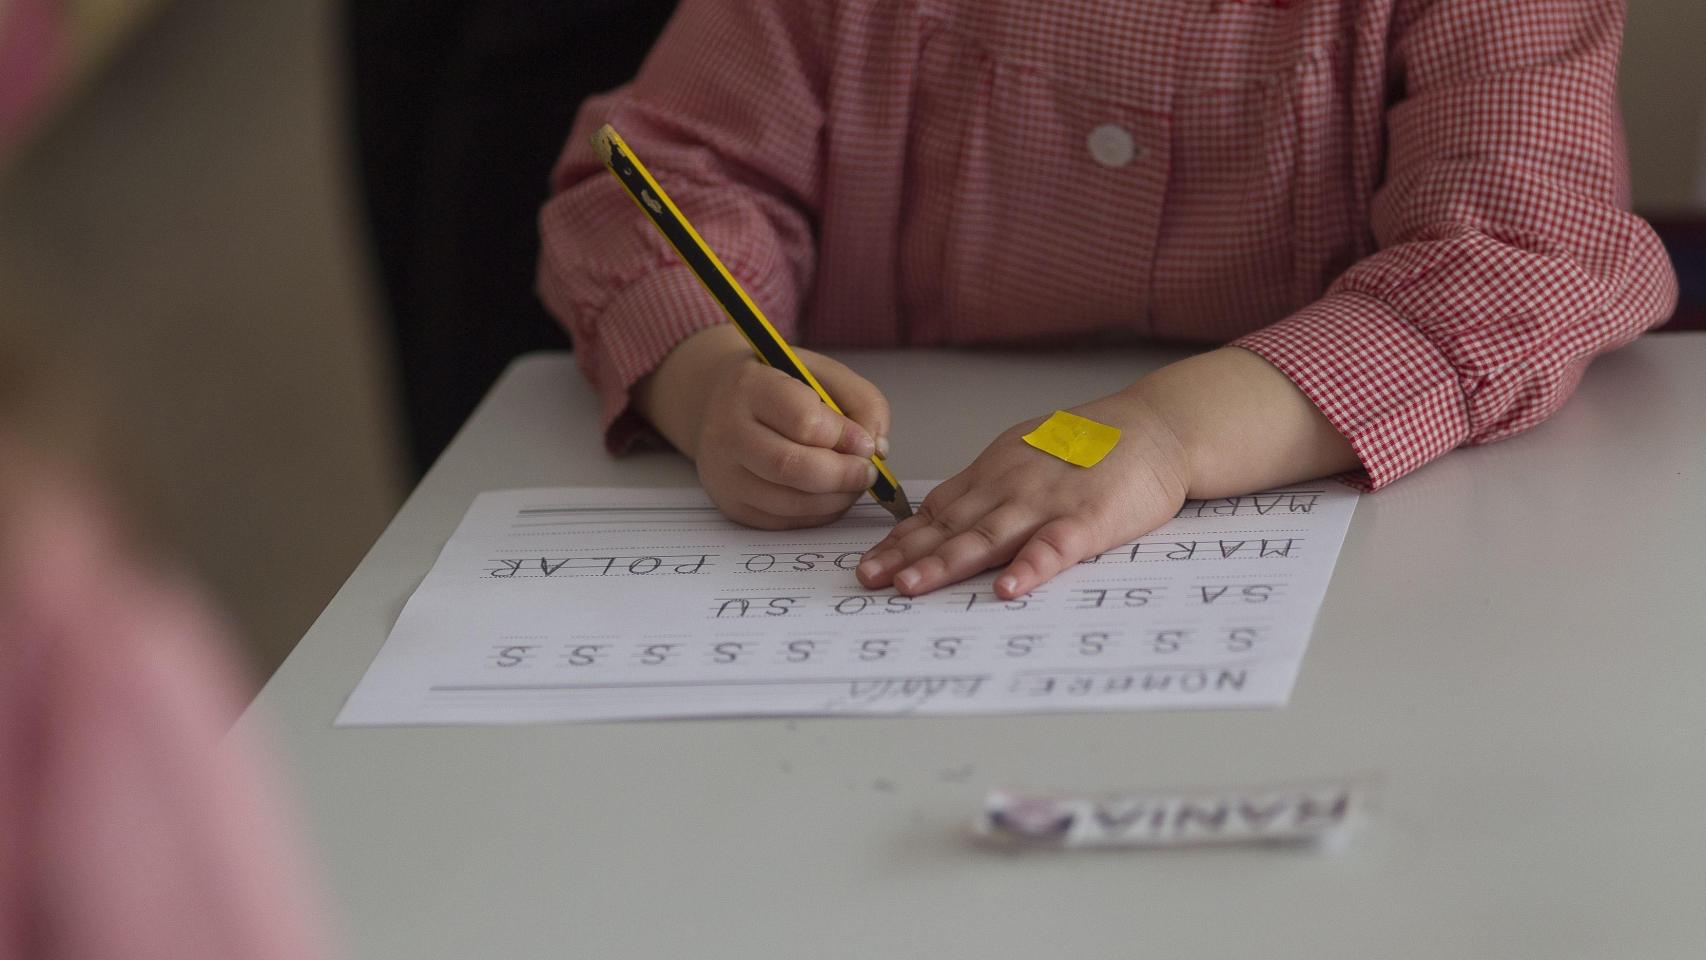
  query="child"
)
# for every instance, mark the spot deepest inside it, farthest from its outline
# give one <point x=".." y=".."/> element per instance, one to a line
<point x="1405" y="219"/>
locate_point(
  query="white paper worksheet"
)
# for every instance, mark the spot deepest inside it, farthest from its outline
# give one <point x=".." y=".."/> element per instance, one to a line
<point x="598" y="604"/>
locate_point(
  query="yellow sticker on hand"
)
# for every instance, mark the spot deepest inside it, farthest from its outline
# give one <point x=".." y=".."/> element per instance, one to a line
<point x="1073" y="438"/>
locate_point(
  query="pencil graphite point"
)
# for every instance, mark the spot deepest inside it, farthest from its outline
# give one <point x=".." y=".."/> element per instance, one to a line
<point x="899" y="506"/>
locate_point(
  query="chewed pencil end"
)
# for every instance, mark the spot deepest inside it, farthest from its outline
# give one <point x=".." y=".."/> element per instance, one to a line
<point x="604" y="141"/>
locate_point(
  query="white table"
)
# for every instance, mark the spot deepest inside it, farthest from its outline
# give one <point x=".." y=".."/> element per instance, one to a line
<point x="1513" y="649"/>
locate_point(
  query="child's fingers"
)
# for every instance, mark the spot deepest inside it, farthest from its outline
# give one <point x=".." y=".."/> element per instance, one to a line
<point x="784" y="503"/>
<point x="990" y="540"/>
<point x="884" y="558"/>
<point x="794" y="410"/>
<point x="1058" y="544"/>
<point x="757" y="519"/>
<point x="932" y="526"/>
<point x="858" y="398"/>
<point x="920" y="518"/>
<point x="808" y="469"/>
<point x="945" y="493"/>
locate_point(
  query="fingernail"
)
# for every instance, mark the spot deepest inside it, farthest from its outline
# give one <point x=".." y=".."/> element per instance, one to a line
<point x="1007" y="584"/>
<point x="883" y="447"/>
<point x="869" y="569"/>
<point x="870" y="474"/>
<point x="907" y="579"/>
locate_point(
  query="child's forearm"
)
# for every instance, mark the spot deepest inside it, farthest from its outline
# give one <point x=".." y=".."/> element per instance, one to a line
<point x="1243" y="424"/>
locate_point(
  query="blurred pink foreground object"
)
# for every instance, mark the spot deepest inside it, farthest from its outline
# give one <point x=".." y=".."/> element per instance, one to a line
<point x="32" y="44"/>
<point x="131" y="824"/>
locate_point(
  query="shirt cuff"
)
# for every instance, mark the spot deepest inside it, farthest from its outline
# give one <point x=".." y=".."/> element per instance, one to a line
<point x="1381" y="383"/>
<point x="640" y="326"/>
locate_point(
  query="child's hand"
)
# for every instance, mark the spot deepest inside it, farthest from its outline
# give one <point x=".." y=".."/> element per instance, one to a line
<point x="1217" y="424"/>
<point x="770" y="453"/>
<point x="1016" y="503"/>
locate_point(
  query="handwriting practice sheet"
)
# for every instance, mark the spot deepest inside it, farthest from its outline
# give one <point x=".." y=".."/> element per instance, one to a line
<point x="569" y="604"/>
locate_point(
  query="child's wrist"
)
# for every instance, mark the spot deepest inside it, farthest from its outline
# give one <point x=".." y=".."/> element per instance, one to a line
<point x="1204" y="403"/>
<point x="674" y="397"/>
<point x="1167" y="435"/>
<point x="1242" y="424"/>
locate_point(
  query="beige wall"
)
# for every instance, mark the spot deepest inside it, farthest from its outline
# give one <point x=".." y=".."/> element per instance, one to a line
<point x="183" y="234"/>
<point x="1664" y="103"/>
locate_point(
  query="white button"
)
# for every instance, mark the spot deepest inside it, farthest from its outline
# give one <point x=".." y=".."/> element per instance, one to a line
<point x="1112" y="145"/>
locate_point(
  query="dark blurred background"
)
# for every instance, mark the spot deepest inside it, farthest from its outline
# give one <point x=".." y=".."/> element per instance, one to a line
<point x="459" y="109"/>
<point x="289" y="245"/>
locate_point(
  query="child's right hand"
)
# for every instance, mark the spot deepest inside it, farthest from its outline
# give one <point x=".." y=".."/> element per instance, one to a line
<point x="770" y="453"/>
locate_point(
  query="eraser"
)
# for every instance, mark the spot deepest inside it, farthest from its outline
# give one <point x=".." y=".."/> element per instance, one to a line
<point x="1313" y="814"/>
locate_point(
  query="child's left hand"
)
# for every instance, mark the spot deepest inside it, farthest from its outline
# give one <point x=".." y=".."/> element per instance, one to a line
<point x="1214" y="425"/>
<point x="1016" y="503"/>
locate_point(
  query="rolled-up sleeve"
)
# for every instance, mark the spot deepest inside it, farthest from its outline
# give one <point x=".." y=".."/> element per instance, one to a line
<point x="727" y="115"/>
<point x="1507" y="256"/>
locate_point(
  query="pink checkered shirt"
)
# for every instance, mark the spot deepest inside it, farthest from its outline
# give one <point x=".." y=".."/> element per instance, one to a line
<point x="1416" y="209"/>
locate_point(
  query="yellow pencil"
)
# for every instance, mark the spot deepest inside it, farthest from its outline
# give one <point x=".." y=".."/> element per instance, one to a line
<point x="747" y="318"/>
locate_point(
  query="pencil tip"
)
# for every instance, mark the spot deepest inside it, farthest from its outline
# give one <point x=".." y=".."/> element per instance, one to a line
<point x="899" y="506"/>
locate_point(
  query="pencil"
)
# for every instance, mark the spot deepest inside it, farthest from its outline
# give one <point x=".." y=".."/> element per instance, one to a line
<point x="717" y="280"/>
